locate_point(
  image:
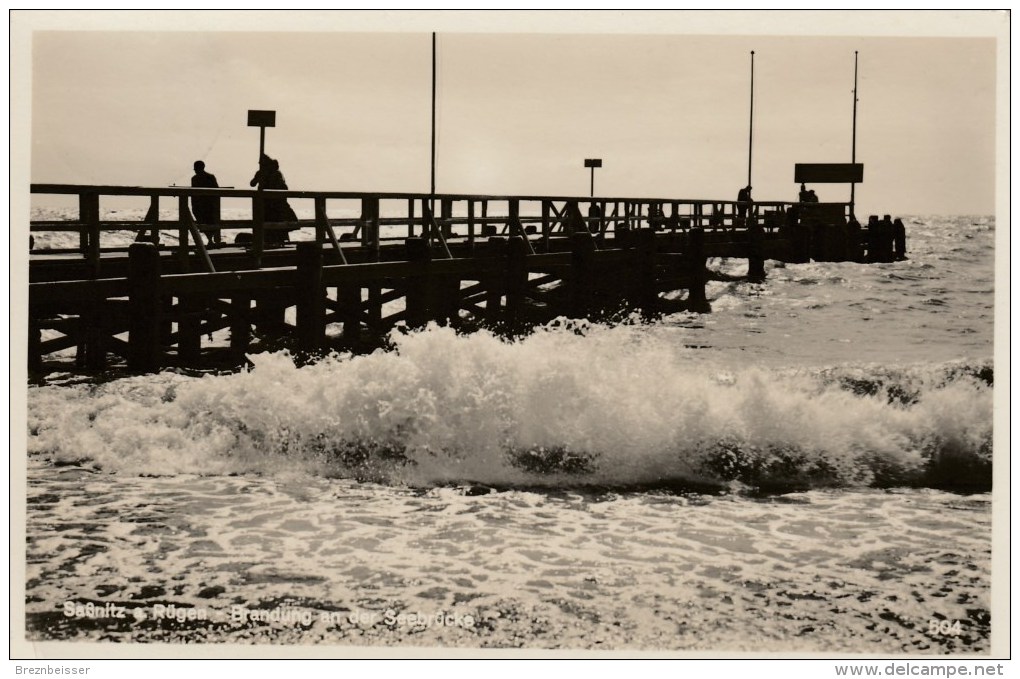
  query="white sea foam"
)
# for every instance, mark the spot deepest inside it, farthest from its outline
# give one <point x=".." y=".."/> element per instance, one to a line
<point x="611" y="407"/>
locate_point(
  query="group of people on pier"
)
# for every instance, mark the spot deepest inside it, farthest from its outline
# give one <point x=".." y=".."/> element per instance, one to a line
<point x="206" y="209"/>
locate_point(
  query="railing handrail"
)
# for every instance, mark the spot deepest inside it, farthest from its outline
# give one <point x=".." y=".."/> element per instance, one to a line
<point x="179" y="191"/>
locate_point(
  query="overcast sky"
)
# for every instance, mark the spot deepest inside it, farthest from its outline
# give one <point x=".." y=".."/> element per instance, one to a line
<point x="519" y="112"/>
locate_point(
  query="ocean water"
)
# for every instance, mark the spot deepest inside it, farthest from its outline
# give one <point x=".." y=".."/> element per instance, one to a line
<point x="806" y="469"/>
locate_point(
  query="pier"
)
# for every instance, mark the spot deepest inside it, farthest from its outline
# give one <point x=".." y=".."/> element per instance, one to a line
<point x="506" y="263"/>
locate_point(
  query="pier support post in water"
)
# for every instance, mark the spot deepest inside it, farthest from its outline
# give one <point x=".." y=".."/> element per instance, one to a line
<point x="696" y="299"/>
<point x="349" y="297"/>
<point x="496" y="248"/>
<point x="582" y="273"/>
<point x="189" y="329"/>
<point x="645" y="294"/>
<point x="144" y="308"/>
<point x="240" y="322"/>
<point x="516" y="281"/>
<point x="755" y="250"/>
<point x="797" y="233"/>
<point x="899" y="240"/>
<point x="311" y="298"/>
<point x="35" y="359"/>
<point x="417" y="296"/>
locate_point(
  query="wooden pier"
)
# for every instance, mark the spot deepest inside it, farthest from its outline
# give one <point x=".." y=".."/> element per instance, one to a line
<point x="501" y="262"/>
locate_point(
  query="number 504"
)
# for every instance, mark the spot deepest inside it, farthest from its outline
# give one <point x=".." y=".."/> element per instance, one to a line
<point x="944" y="627"/>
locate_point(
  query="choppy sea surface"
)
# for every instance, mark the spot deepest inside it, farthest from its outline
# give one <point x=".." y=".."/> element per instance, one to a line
<point x="806" y="469"/>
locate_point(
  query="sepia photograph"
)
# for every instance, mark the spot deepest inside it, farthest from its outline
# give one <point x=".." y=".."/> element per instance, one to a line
<point x="451" y="333"/>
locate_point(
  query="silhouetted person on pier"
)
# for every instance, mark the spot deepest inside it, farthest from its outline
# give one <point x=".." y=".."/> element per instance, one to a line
<point x="811" y="197"/>
<point x="804" y="196"/>
<point x="276" y="209"/>
<point x="206" y="208"/>
<point x="743" y="201"/>
<point x="595" y="218"/>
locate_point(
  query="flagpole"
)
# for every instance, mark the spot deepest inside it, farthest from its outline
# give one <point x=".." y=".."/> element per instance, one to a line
<point x="750" y="134"/>
<point x="432" y="185"/>
<point x="853" y="143"/>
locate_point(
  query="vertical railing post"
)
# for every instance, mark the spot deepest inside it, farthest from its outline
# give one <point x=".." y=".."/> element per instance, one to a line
<point x="321" y="221"/>
<point x="183" y="233"/>
<point x="446" y="214"/>
<point x="426" y="219"/>
<point x="88" y="214"/>
<point x="546" y="224"/>
<point x="471" y="224"/>
<point x="144" y="308"/>
<point x="311" y="298"/>
<point x="370" y="226"/>
<point x="258" y="232"/>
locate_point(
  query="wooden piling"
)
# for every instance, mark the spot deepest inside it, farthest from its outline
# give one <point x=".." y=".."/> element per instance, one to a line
<point x="349" y="297"/>
<point x="311" y="298"/>
<point x="374" y="311"/>
<point x="270" y="314"/>
<point x="144" y="308"/>
<point x="645" y="292"/>
<point x="696" y="298"/>
<point x="93" y="346"/>
<point x="189" y="328"/>
<point x="35" y="362"/>
<point x="798" y="235"/>
<point x="496" y="249"/>
<point x="417" y="295"/>
<point x="854" y="246"/>
<point x="755" y="249"/>
<point x="899" y="240"/>
<point x="516" y="282"/>
<point x="582" y="274"/>
<point x="240" y="322"/>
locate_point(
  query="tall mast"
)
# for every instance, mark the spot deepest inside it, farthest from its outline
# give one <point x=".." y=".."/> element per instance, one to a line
<point x="853" y="143"/>
<point x="432" y="185"/>
<point x="750" y="133"/>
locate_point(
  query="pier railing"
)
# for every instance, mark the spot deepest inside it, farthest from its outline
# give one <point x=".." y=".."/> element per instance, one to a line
<point x="372" y="220"/>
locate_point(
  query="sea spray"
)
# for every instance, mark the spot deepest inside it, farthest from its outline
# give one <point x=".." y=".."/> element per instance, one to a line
<point x="566" y="406"/>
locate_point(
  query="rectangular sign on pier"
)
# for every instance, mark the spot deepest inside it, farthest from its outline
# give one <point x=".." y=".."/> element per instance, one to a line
<point x="828" y="173"/>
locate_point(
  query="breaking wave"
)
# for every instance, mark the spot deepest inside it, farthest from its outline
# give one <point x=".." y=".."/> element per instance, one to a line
<point x="567" y="406"/>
